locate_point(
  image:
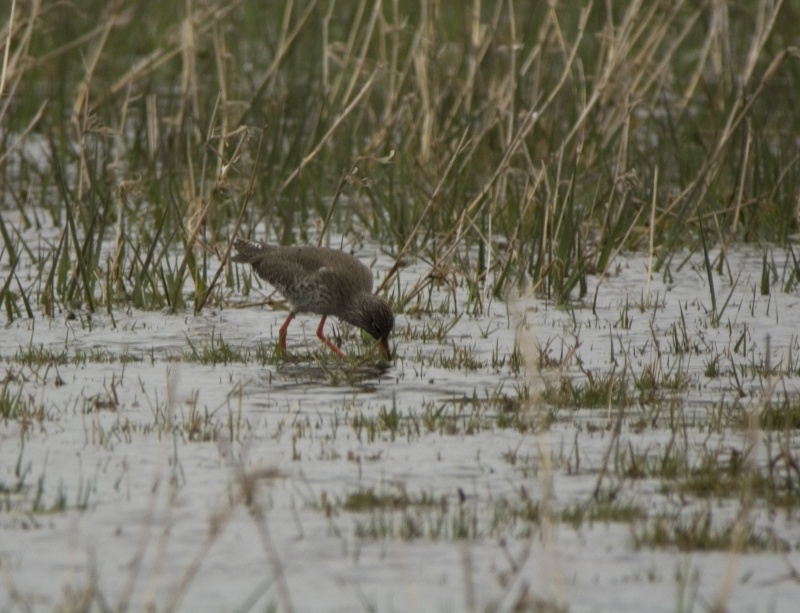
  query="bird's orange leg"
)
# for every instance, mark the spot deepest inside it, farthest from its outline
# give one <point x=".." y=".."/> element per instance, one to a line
<point x="282" y="331"/>
<point x="322" y="337"/>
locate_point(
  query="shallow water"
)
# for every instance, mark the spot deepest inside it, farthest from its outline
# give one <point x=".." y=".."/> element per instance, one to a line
<point x="220" y="487"/>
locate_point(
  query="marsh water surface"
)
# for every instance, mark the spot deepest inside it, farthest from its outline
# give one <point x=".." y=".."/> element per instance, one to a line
<point x="156" y="476"/>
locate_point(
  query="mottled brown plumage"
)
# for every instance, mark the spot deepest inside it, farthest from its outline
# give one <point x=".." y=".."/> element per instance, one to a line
<point x="322" y="281"/>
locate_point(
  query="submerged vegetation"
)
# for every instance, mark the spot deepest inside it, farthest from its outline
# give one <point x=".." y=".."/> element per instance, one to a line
<point x="497" y="150"/>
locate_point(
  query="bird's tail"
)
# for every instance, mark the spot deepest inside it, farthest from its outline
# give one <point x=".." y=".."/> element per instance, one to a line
<point x="248" y="251"/>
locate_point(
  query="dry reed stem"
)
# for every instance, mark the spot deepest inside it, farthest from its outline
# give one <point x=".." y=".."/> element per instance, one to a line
<point x="423" y="84"/>
<point x="80" y="104"/>
<point x="327" y="136"/>
<point x="422" y="219"/>
<point x="455" y="235"/>
<point x="7" y="47"/>
<point x="14" y="65"/>
<point x="204" y="20"/>
<point x="346" y="56"/>
<point x="19" y="140"/>
<point x="242" y="209"/>
<point x="188" y="81"/>
<point x="742" y="104"/>
<point x="361" y="61"/>
<point x="742" y="177"/>
<point x="554" y="581"/>
<point x="285" y="42"/>
<point x="651" y="245"/>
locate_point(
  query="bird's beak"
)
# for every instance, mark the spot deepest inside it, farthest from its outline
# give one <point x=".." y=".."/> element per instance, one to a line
<point x="384" y="343"/>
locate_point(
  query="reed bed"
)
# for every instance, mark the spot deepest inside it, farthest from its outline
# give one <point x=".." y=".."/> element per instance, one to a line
<point x="508" y="142"/>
